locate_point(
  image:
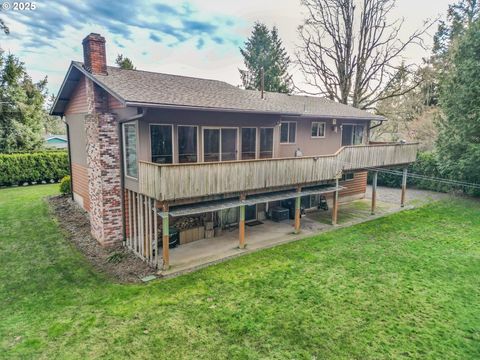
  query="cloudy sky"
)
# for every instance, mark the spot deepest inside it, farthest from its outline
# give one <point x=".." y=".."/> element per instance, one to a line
<point x="191" y="37"/>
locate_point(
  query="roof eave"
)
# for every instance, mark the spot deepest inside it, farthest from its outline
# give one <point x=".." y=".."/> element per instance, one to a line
<point x="251" y="111"/>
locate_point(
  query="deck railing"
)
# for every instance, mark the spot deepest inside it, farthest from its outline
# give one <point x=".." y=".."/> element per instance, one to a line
<point x="181" y="181"/>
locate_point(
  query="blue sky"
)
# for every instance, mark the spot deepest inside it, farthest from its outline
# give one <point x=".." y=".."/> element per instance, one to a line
<point x="192" y="37"/>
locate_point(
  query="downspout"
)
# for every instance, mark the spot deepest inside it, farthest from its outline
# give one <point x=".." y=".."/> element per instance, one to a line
<point x="122" y="170"/>
<point x="69" y="158"/>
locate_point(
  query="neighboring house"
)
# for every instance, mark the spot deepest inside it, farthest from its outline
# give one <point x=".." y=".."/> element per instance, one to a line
<point x="149" y="150"/>
<point x="56" y="141"/>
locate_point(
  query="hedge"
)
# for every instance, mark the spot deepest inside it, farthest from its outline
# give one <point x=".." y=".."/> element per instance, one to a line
<point x="35" y="167"/>
<point x="427" y="164"/>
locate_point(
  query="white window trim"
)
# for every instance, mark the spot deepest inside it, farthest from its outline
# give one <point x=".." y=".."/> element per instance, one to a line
<point x="324" y="129"/>
<point x="220" y="140"/>
<point x="288" y="133"/>
<point x="150" y="140"/>
<point x="178" y="143"/>
<point x="125" y="170"/>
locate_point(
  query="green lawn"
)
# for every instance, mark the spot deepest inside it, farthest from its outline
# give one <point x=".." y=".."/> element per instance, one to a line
<point x="405" y="286"/>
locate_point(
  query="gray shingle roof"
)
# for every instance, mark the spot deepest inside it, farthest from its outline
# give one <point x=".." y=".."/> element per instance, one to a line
<point x="136" y="86"/>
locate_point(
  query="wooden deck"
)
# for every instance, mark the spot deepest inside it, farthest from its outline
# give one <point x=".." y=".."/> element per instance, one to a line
<point x="182" y="181"/>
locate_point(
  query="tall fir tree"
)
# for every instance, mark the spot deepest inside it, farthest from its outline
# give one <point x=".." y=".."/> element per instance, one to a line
<point x="264" y="52"/>
<point x="22" y="111"/>
<point x="458" y="144"/>
<point x="124" y="62"/>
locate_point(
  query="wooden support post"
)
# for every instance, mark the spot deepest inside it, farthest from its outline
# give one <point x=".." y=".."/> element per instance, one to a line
<point x="155" y="235"/>
<point x="166" y="238"/>
<point x="241" y="225"/>
<point x="335" y="205"/>
<point x="374" y="191"/>
<point x="298" y="201"/>
<point x="404" y="187"/>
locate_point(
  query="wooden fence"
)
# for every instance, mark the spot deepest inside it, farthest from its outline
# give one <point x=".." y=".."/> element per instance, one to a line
<point x="142" y="227"/>
<point x="180" y="181"/>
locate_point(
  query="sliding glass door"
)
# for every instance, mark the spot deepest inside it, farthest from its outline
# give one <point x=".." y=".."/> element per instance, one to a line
<point x="187" y="144"/>
<point x="352" y="134"/>
<point x="219" y="144"/>
<point x="266" y="143"/>
<point x="249" y="143"/>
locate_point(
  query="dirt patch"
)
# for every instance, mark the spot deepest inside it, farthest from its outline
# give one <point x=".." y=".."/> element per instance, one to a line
<point x="117" y="263"/>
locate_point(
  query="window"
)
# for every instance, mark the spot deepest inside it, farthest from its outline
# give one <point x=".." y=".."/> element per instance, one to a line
<point x="219" y="144"/>
<point x="161" y="143"/>
<point x="352" y="134"/>
<point x="348" y="176"/>
<point x="318" y="129"/>
<point x="187" y="144"/>
<point x="288" y="130"/>
<point x="249" y="143"/>
<point x="130" y="149"/>
<point x="266" y="143"/>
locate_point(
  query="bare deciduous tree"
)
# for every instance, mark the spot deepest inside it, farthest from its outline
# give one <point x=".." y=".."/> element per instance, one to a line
<point x="354" y="60"/>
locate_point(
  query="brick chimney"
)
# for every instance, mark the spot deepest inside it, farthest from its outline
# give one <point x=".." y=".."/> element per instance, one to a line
<point x="95" y="59"/>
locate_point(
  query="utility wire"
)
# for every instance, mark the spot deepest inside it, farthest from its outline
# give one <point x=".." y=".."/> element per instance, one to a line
<point x="422" y="177"/>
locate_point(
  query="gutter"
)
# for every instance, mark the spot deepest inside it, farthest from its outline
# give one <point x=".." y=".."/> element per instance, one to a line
<point x="69" y="158"/>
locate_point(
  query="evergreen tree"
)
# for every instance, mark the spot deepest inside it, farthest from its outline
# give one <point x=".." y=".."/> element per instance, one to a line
<point x="458" y="143"/>
<point x="22" y="110"/>
<point x="124" y="62"/>
<point x="53" y="124"/>
<point x="264" y="51"/>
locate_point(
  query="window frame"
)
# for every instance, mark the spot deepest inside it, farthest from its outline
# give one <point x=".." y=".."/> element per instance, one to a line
<point x="288" y="133"/>
<point x="260" y="141"/>
<point x="198" y="143"/>
<point x="256" y="141"/>
<point x="124" y="150"/>
<point x="344" y="178"/>
<point x="150" y="141"/>
<point x="237" y="141"/>
<point x="324" y="129"/>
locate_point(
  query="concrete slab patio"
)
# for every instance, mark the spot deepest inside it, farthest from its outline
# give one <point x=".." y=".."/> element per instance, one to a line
<point x="198" y="254"/>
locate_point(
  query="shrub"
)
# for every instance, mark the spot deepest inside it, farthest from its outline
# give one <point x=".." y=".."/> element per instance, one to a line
<point x="427" y="164"/>
<point x="65" y="185"/>
<point x="34" y="167"/>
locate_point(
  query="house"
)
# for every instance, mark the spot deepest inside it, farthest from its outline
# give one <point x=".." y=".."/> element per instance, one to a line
<point x="56" y="141"/>
<point x="152" y="153"/>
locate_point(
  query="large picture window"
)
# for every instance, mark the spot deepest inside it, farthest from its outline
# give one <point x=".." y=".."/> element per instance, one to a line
<point x="130" y="149"/>
<point x="318" y="129"/>
<point x="288" y="132"/>
<point x="161" y="144"/>
<point x="187" y="144"/>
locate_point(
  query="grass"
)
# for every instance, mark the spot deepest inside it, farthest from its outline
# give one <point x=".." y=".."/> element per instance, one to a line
<point x="404" y="286"/>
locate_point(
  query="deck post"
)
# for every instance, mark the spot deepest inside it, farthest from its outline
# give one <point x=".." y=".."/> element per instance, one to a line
<point x="374" y="191"/>
<point x="404" y="187"/>
<point x="241" y="225"/>
<point x="335" y="204"/>
<point x="298" y="201"/>
<point x="166" y="238"/>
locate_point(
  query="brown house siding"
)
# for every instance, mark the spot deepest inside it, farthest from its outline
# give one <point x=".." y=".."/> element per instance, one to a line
<point x="113" y="103"/>
<point x="78" y="101"/>
<point x="80" y="184"/>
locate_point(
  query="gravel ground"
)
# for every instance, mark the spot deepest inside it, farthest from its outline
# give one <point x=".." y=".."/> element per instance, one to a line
<point x="414" y="196"/>
<point x="117" y="263"/>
